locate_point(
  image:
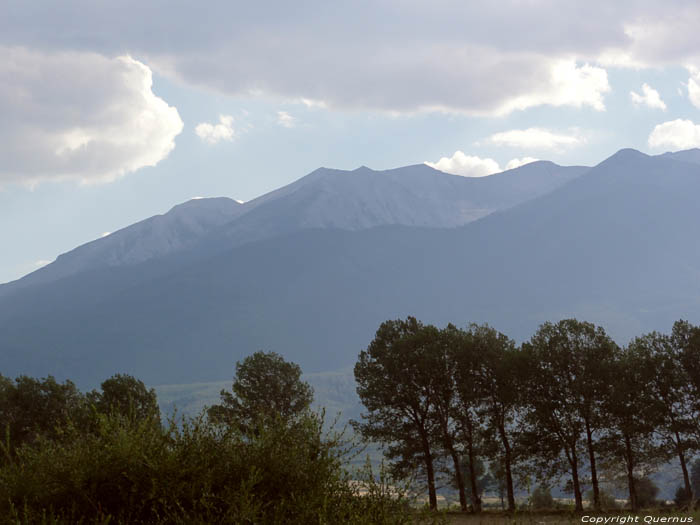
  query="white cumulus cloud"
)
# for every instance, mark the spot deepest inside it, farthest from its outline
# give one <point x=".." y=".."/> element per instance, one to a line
<point x="534" y="138"/>
<point x="285" y="120"/>
<point x="473" y="166"/>
<point x="649" y="97"/>
<point x="675" y="134"/>
<point x="80" y="116"/>
<point x="516" y="163"/>
<point x="568" y="85"/>
<point x="466" y="165"/>
<point x="213" y="133"/>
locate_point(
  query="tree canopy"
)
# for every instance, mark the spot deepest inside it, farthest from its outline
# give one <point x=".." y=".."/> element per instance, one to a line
<point x="265" y="387"/>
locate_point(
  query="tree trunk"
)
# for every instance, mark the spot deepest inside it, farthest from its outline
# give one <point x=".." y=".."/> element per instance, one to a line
<point x="458" y="474"/>
<point x="686" y="478"/>
<point x="594" y="472"/>
<point x="428" y="457"/>
<point x="630" y="474"/>
<point x="507" y="462"/>
<point x="476" y="499"/>
<point x="574" y="476"/>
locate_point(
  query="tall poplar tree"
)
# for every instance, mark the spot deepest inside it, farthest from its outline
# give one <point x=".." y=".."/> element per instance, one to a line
<point x="633" y="413"/>
<point x="570" y="363"/>
<point x="498" y="376"/>
<point x="395" y="383"/>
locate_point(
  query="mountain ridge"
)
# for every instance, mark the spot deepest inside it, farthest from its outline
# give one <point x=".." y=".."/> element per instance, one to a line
<point x="614" y="246"/>
<point x="362" y="198"/>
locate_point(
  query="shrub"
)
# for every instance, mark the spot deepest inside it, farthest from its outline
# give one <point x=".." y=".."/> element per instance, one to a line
<point x="541" y="498"/>
<point x="129" y="471"/>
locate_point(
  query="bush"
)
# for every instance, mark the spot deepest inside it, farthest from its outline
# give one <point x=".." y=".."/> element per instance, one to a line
<point x="681" y="498"/>
<point x="607" y="500"/>
<point x="128" y="471"/>
<point x="541" y="498"/>
<point x="646" y="492"/>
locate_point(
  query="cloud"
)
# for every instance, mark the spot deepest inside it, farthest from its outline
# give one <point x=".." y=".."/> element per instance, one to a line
<point x="675" y="135"/>
<point x="569" y="85"/>
<point x="659" y="37"/>
<point x="694" y="86"/>
<point x="472" y="166"/>
<point x="650" y="97"/>
<point x="213" y="133"/>
<point x="471" y="57"/>
<point x="79" y="116"/>
<point x="285" y="120"/>
<point x="466" y="165"/>
<point x="516" y="163"/>
<point x="534" y="138"/>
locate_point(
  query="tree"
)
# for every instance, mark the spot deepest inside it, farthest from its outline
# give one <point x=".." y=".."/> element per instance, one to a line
<point x="265" y="387"/>
<point x="440" y="362"/>
<point x="686" y="342"/>
<point x="497" y="378"/>
<point x="483" y="479"/>
<point x="672" y="388"/>
<point x="695" y="476"/>
<point x="634" y="413"/>
<point x="469" y="398"/>
<point x="395" y="384"/>
<point x="31" y="408"/>
<point x="127" y="396"/>
<point x="571" y="361"/>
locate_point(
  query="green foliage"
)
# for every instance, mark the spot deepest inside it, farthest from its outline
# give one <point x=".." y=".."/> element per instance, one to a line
<point x="265" y="387"/>
<point x="681" y="498"/>
<point x="607" y="501"/>
<point x="646" y="492"/>
<point x="634" y="414"/>
<point x="127" y="396"/>
<point x="197" y="472"/>
<point x="541" y="498"/>
<point x="563" y="408"/>
<point x="396" y="383"/>
<point x="484" y="480"/>
<point x="32" y="408"/>
<point x="499" y="373"/>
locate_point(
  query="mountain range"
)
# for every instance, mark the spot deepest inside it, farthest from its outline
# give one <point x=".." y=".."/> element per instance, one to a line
<point x="310" y="270"/>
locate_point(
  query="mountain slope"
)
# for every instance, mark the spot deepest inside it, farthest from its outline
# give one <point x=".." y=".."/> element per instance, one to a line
<point x="688" y="155"/>
<point x="359" y="199"/>
<point x="178" y="229"/>
<point x="616" y="246"/>
<point x="413" y="196"/>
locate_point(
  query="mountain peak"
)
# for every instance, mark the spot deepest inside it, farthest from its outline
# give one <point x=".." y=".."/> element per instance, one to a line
<point x="629" y="153"/>
<point x="624" y="156"/>
<point x="207" y="203"/>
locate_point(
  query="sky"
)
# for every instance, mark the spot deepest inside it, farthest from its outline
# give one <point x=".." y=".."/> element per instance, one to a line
<point x="111" y="112"/>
